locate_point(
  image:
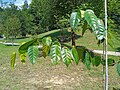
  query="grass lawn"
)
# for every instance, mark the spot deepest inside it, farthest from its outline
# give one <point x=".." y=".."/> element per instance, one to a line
<point x="45" y="76"/>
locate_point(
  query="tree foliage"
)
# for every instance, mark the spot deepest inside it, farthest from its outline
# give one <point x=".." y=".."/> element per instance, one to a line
<point x="12" y="26"/>
<point x="9" y="21"/>
<point x="114" y="14"/>
<point x="44" y="15"/>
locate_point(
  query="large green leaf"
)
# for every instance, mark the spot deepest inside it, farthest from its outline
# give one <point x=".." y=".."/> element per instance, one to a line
<point x="55" y="52"/>
<point x="84" y="27"/>
<point x="92" y="61"/>
<point x="111" y="62"/>
<point x="75" y="19"/>
<point x="91" y="19"/>
<point x="97" y="60"/>
<point x="118" y="68"/>
<point x="24" y="47"/>
<point x="83" y="56"/>
<point x="13" y="57"/>
<point x="100" y="31"/>
<point x="91" y="53"/>
<point x="23" y="57"/>
<point x="95" y="23"/>
<point x="87" y="61"/>
<point x="75" y="56"/>
<point x="81" y="52"/>
<point x="45" y="50"/>
<point x="33" y="53"/>
<point x="92" y="58"/>
<point x="66" y="56"/>
<point x="47" y="41"/>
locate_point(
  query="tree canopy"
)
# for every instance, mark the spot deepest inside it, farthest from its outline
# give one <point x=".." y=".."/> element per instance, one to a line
<point x="44" y="15"/>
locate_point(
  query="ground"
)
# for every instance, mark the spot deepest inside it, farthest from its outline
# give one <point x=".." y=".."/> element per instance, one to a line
<point x="46" y="76"/>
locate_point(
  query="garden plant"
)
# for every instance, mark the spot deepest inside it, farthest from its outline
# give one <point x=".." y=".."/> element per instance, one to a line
<point x="58" y="52"/>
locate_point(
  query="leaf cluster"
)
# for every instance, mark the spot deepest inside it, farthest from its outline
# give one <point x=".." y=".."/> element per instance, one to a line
<point x="58" y="53"/>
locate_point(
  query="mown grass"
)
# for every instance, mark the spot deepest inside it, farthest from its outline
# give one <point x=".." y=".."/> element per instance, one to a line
<point x="45" y="76"/>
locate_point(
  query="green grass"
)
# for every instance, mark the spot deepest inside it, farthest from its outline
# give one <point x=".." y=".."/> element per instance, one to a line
<point x="45" y="76"/>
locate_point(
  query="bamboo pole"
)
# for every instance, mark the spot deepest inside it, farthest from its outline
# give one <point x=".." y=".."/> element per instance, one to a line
<point x="106" y="48"/>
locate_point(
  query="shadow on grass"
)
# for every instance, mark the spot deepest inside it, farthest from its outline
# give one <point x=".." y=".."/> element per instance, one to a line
<point x="62" y="36"/>
<point x="117" y="49"/>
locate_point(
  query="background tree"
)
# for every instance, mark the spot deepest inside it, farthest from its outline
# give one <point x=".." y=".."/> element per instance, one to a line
<point x="43" y="12"/>
<point x="26" y="19"/>
<point x="11" y="27"/>
<point x="114" y="15"/>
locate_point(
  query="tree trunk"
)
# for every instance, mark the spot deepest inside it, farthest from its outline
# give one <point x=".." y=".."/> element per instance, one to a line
<point x="73" y="38"/>
<point x="12" y="40"/>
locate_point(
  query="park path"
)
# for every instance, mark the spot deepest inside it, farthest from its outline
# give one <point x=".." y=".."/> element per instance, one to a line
<point x="109" y="52"/>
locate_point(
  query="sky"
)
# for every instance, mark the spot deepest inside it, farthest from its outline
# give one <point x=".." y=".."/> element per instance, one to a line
<point x="21" y="2"/>
<point x="18" y="2"/>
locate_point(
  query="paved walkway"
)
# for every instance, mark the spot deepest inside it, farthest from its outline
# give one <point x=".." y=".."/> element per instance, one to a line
<point x="109" y="52"/>
<point x="10" y="44"/>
